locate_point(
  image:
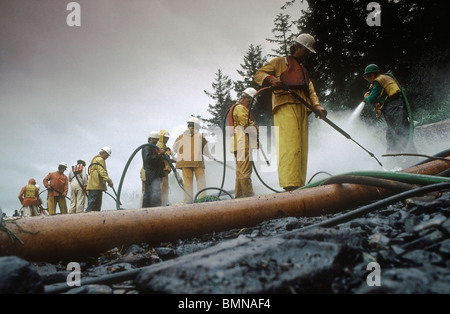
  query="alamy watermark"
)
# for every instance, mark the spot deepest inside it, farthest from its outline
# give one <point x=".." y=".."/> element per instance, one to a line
<point x="374" y="17"/>
<point x="258" y="144"/>
<point x="74" y="17"/>
<point x="74" y="277"/>
<point x="374" y="278"/>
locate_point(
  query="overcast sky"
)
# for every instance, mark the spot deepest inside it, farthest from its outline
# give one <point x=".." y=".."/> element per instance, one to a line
<point x="131" y="67"/>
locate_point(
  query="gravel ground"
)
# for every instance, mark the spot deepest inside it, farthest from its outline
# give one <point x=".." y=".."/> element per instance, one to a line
<point x="399" y="248"/>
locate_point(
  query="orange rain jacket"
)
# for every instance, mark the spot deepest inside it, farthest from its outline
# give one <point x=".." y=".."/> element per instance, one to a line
<point x="58" y="181"/>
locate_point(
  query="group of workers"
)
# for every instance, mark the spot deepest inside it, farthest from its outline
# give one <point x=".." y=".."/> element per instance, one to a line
<point x="288" y="78"/>
<point x="284" y="76"/>
<point x="87" y="184"/>
<point x="158" y="159"/>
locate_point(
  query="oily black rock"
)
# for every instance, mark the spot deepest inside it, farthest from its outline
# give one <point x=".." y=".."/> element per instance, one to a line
<point x="409" y="240"/>
<point x="17" y="276"/>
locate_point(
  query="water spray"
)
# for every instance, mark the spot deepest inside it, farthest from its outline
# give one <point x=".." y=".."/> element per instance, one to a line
<point x="357" y="111"/>
<point x="334" y="126"/>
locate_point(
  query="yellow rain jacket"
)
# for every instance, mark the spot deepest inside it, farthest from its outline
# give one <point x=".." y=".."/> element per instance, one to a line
<point x="98" y="174"/>
<point x="162" y="145"/>
<point x="242" y="141"/>
<point x="240" y="115"/>
<point x="189" y="149"/>
<point x="291" y="125"/>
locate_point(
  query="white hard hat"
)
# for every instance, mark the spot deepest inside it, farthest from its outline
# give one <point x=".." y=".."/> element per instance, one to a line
<point x="63" y="164"/>
<point x="154" y="134"/>
<point x="167" y="134"/>
<point x="107" y="150"/>
<point x="250" y="92"/>
<point x="194" y="120"/>
<point x="307" y="41"/>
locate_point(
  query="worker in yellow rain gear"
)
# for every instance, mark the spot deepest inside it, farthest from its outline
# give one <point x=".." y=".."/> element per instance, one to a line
<point x="164" y="137"/>
<point x="244" y="138"/>
<point x="190" y="148"/>
<point x="289" y="115"/>
<point x="98" y="179"/>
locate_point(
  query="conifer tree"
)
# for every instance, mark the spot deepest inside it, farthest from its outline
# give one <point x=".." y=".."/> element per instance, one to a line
<point x="253" y="61"/>
<point x="283" y="36"/>
<point x="221" y="94"/>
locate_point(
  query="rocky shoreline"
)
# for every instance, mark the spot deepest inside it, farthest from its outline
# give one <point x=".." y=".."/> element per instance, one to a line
<point x="400" y="248"/>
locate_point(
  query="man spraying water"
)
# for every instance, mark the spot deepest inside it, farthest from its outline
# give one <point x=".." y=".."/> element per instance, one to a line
<point x="388" y="100"/>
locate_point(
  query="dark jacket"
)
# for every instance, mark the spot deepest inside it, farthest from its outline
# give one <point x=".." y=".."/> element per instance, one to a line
<point x="153" y="163"/>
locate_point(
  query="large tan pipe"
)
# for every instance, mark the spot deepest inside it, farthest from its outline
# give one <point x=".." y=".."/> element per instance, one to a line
<point x="77" y="236"/>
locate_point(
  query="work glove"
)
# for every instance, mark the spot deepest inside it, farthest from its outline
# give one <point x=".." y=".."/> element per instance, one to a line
<point x="320" y="111"/>
<point x="110" y="183"/>
<point x="274" y="82"/>
<point x="366" y="95"/>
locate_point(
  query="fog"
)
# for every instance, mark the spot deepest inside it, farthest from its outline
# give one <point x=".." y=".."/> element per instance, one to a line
<point x="330" y="153"/>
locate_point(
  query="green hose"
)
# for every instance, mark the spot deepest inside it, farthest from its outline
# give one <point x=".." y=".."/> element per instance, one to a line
<point x="378" y="204"/>
<point x="405" y="177"/>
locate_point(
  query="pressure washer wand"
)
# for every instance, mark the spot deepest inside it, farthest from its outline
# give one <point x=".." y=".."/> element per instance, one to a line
<point x="264" y="155"/>
<point x="248" y="120"/>
<point x="334" y="126"/>
<point x="222" y="163"/>
<point x="53" y="189"/>
<point x="115" y="193"/>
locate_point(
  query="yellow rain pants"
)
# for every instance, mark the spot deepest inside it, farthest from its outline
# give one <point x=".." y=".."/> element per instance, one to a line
<point x="291" y="119"/>
<point x="243" y="186"/>
<point x="188" y="178"/>
<point x="60" y="200"/>
<point x="291" y="134"/>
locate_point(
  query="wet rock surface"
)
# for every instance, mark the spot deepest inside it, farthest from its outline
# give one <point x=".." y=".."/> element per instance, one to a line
<point x="409" y="241"/>
<point x="19" y="276"/>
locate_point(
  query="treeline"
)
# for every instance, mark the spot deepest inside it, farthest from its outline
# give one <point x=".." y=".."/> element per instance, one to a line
<point x="409" y="39"/>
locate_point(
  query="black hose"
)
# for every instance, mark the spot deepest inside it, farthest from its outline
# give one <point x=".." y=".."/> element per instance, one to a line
<point x="89" y="173"/>
<point x="376" y="205"/>
<point x="128" y="164"/>
<point x="224" y="151"/>
<point x="332" y="124"/>
<point x="317" y="173"/>
<point x="253" y="164"/>
<point x="444" y="153"/>
<point x="445" y="173"/>
<point x="211" y="188"/>
<point x="107" y="279"/>
<point x="370" y="181"/>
